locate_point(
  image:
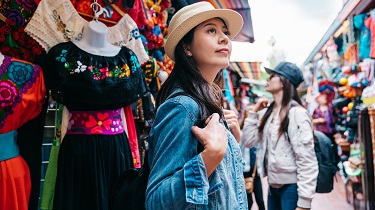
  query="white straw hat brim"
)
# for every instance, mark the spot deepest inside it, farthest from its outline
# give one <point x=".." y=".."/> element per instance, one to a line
<point x="190" y="16"/>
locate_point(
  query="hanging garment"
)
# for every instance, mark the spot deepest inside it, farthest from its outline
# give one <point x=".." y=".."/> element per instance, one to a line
<point x="22" y="94"/>
<point x="95" y="149"/>
<point x="365" y="36"/>
<point x="56" y="22"/>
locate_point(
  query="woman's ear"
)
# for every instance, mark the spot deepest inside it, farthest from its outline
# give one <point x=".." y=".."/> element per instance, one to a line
<point x="187" y="50"/>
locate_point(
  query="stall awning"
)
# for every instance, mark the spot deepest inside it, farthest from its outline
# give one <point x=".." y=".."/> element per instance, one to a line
<point x="351" y="8"/>
<point x="250" y="70"/>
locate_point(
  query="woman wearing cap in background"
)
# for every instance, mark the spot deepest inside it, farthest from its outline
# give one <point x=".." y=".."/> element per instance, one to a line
<point x="182" y="176"/>
<point x="286" y="132"/>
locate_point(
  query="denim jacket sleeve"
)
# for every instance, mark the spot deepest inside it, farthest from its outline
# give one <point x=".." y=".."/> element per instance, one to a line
<point x="178" y="177"/>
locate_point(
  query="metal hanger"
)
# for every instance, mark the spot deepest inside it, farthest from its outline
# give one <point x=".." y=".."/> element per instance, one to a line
<point x="98" y="10"/>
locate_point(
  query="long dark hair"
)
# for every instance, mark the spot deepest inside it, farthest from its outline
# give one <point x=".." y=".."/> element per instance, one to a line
<point x="289" y="94"/>
<point x="187" y="76"/>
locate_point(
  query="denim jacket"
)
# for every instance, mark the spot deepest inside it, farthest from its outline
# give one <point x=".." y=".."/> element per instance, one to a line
<point x="178" y="178"/>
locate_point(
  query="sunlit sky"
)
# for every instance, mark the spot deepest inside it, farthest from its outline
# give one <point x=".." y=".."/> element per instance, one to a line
<point x="296" y="25"/>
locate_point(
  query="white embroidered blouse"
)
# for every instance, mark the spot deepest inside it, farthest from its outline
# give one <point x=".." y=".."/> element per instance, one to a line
<point x="55" y="22"/>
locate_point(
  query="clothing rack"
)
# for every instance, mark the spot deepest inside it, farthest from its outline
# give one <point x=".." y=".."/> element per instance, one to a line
<point x="366" y="134"/>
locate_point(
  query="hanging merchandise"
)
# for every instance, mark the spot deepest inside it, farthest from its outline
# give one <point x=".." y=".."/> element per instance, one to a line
<point x="365" y="36"/>
<point x="370" y="23"/>
<point x="56" y="22"/>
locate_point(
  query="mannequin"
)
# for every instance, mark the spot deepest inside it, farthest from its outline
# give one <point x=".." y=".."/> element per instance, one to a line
<point x="94" y="40"/>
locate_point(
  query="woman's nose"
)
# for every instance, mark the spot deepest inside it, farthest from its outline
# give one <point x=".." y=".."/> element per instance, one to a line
<point x="224" y="39"/>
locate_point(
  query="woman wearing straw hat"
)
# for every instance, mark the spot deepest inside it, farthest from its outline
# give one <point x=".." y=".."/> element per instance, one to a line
<point x="183" y="175"/>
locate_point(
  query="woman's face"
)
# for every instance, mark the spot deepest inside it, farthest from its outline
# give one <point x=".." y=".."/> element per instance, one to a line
<point x="274" y="84"/>
<point x="322" y="99"/>
<point x="210" y="48"/>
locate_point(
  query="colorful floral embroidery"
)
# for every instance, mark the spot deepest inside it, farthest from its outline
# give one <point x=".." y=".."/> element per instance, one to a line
<point x="102" y="73"/>
<point x="19" y="11"/>
<point x="8" y="94"/>
<point x="16" y="16"/>
<point x="16" y="78"/>
<point x="136" y="34"/>
<point x="99" y="73"/>
<point x="28" y="5"/>
<point x="80" y="67"/>
<point x="61" y="26"/>
<point x="134" y="63"/>
<point x="95" y="122"/>
<point x="15" y="42"/>
<point x="19" y="72"/>
<point x="62" y="56"/>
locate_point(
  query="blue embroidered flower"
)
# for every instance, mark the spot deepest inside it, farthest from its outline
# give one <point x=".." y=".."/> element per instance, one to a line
<point x="62" y="56"/>
<point x="134" y="63"/>
<point x="135" y="33"/>
<point x="19" y="72"/>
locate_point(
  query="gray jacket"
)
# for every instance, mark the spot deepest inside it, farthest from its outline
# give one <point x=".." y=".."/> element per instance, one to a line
<point x="289" y="161"/>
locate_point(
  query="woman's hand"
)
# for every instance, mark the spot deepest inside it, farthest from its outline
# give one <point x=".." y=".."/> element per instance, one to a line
<point x="214" y="139"/>
<point x="319" y="121"/>
<point x="261" y="104"/>
<point x="233" y="124"/>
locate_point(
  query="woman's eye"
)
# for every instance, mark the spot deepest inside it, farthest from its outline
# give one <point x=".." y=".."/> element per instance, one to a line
<point x="212" y="30"/>
<point x="227" y="33"/>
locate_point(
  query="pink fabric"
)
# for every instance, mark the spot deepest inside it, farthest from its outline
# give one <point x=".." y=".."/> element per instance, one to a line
<point x="104" y="122"/>
<point x="370" y="23"/>
<point x="132" y="134"/>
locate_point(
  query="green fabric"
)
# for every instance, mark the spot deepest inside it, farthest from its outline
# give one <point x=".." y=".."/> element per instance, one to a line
<point x="48" y="190"/>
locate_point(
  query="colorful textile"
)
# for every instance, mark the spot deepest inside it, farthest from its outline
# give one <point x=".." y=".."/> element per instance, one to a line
<point x="365" y="36"/>
<point x="82" y="81"/>
<point x="46" y="202"/>
<point x="136" y="12"/>
<point x="330" y="117"/>
<point x="89" y="165"/>
<point x="132" y="135"/>
<point x="370" y="23"/>
<point x="15" y="184"/>
<point x="104" y="122"/>
<point x="19" y="11"/>
<point x="16" y="43"/>
<point x="56" y="22"/>
<point x="8" y="145"/>
<point x="22" y="93"/>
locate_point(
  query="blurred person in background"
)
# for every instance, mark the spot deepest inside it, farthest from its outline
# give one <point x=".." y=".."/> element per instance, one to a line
<point x="286" y="132"/>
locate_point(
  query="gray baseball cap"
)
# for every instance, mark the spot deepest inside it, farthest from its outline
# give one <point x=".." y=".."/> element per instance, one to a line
<point x="288" y="70"/>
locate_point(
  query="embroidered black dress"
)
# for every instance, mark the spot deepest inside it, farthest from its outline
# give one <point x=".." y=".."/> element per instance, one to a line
<point x="88" y="165"/>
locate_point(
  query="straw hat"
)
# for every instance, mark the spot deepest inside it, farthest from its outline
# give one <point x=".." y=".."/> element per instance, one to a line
<point x="190" y="16"/>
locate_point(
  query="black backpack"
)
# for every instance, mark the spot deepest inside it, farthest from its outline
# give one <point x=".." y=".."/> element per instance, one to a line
<point x="326" y="157"/>
<point x="325" y="154"/>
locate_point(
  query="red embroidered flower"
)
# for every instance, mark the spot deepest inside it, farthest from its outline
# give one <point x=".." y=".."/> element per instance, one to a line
<point x="96" y="126"/>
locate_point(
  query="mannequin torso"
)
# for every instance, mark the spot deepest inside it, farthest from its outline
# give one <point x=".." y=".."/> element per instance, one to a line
<point x="94" y="40"/>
